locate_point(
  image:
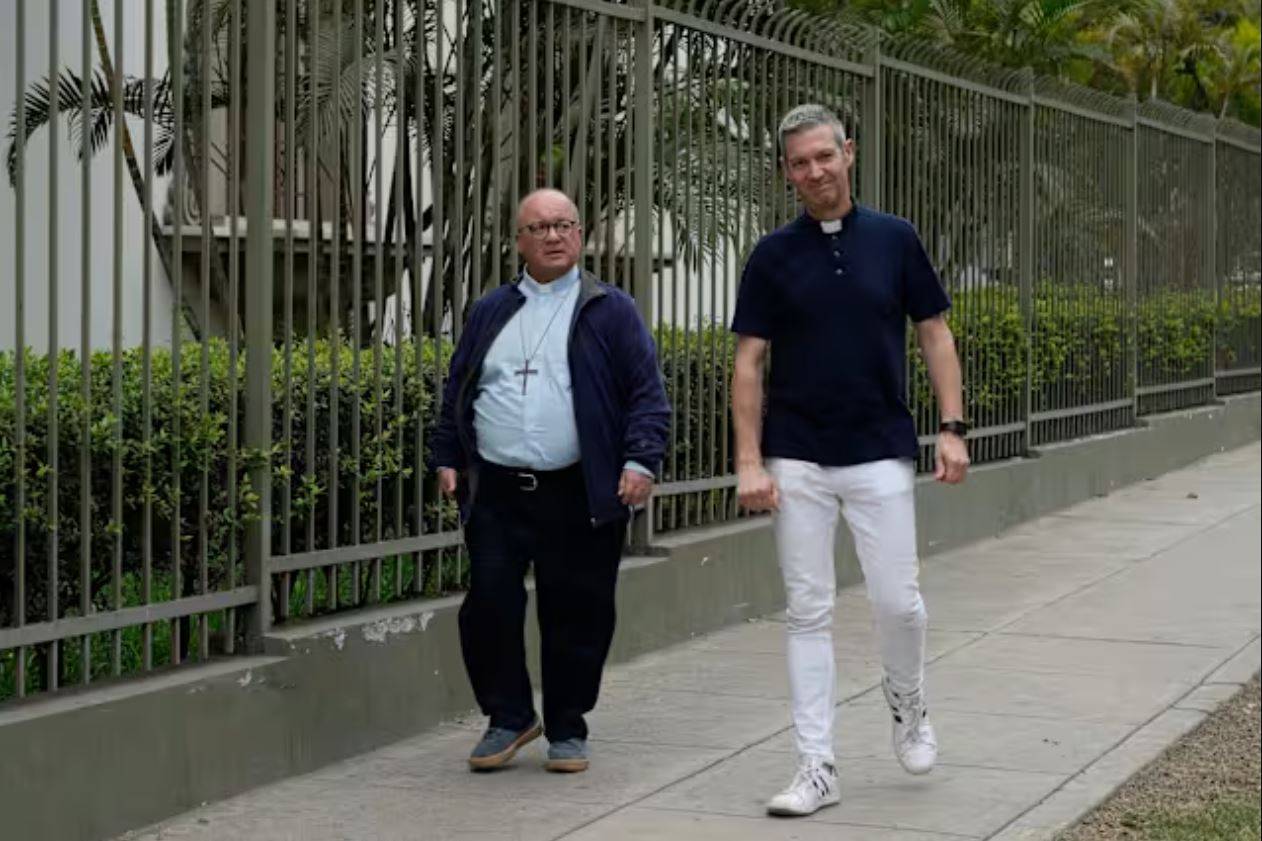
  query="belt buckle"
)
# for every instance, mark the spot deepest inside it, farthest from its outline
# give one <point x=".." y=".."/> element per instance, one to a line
<point x="532" y="478"/>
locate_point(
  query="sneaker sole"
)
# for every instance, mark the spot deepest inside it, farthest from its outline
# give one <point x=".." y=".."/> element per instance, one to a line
<point x="916" y="772"/>
<point x="566" y="766"/>
<point x="781" y="812"/>
<point x="498" y="760"/>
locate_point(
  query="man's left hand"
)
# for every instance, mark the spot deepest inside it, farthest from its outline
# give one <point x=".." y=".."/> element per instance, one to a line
<point x="952" y="459"/>
<point x="634" y="488"/>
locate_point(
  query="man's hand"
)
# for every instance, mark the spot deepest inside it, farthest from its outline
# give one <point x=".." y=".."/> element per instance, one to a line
<point x="951" y="459"/>
<point x="756" y="490"/>
<point x="634" y="488"/>
<point x="447" y="480"/>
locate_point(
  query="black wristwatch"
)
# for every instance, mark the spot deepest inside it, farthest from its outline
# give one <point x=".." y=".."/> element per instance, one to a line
<point x="955" y="427"/>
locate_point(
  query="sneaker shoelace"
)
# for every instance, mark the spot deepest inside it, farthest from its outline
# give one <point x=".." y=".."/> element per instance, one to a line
<point x="813" y="775"/>
<point x="909" y="710"/>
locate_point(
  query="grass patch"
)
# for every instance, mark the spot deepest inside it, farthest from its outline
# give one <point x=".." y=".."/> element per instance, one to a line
<point x="1205" y="787"/>
<point x="1232" y="819"/>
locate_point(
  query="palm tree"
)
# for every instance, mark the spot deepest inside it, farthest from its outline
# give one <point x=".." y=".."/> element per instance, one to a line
<point x="354" y="58"/>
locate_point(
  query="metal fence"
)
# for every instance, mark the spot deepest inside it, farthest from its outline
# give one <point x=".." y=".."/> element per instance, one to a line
<point x="326" y="185"/>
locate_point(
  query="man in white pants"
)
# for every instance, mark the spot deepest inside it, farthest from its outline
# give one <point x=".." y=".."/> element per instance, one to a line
<point x="830" y="293"/>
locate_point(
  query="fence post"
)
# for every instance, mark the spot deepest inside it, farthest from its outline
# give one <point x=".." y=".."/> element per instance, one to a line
<point x="871" y="156"/>
<point x="260" y="147"/>
<point x="1025" y="249"/>
<point x="642" y="190"/>
<point x="1210" y="258"/>
<point x="1130" y="276"/>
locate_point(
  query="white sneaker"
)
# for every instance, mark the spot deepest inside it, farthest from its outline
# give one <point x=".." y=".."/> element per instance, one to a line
<point x="915" y="743"/>
<point x="814" y="786"/>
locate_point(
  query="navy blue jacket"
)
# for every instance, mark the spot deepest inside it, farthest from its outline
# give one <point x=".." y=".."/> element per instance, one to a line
<point x="620" y="404"/>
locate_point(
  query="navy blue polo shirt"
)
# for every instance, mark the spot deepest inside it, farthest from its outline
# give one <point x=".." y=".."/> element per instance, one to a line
<point x="835" y="307"/>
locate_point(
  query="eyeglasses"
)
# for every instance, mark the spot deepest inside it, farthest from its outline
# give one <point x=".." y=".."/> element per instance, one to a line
<point x="539" y="230"/>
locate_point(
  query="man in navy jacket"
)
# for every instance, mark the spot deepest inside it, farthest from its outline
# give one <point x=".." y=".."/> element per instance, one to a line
<point x="554" y="420"/>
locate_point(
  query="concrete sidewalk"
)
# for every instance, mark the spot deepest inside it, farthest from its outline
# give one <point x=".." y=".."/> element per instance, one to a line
<point x="1065" y="654"/>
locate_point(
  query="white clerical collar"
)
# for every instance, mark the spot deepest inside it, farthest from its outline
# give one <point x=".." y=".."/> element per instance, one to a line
<point x="562" y="284"/>
<point x="830" y="226"/>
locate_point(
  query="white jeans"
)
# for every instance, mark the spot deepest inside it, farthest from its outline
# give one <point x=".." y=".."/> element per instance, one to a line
<point x="878" y="502"/>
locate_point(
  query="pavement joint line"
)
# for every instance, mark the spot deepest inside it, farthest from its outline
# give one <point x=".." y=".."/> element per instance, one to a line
<point x="1119" y="640"/>
<point x="1140" y="519"/>
<point x="814" y="821"/>
<point x="1123" y="740"/>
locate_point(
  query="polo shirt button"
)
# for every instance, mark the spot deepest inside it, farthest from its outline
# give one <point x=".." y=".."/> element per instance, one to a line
<point x="838" y="272"/>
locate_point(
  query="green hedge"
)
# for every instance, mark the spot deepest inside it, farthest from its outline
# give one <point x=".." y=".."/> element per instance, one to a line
<point x="1080" y="341"/>
<point x="1079" y="344"/>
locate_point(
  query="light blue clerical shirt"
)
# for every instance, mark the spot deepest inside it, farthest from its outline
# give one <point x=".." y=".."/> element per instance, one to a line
<point x="524" y="412"/>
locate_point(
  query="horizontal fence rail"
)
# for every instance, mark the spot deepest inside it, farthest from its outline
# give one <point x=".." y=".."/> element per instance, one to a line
<point x="221" y="361"/>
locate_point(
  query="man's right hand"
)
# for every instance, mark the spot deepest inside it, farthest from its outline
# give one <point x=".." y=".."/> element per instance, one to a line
<point x="756" y="490"/>
<point x="447" y="480"/>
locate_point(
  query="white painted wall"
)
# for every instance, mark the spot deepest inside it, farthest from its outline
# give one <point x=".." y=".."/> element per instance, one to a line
<point x="64" y="233"/>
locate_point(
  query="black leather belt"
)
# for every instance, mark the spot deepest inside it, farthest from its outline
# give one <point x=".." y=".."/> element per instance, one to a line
<point x="527" y="480"/>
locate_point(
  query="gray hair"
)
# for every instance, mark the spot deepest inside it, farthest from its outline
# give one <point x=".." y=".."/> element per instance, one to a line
<point x="809" y="116"/>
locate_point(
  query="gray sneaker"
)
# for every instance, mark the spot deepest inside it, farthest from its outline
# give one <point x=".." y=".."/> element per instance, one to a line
<point x="568" y="756"/>
<point x="499" y="745"/>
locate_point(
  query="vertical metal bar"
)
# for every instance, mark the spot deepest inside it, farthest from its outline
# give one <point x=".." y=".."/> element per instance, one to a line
<point x="358" y="188"/>
<point x="549" y="88"/>
<point x="679" y="266"/>
<point x="731" y="207"/>
<point x="19" y="329"/>
<point x="532" y="98"/>
<point x="146" y="251"/>
<point x="116" y="339"/>
<point x="497" y="145"/>
<point x="694" y="233"/>
<point x="917" y="181"/>
<point x="705" y="260"/>
<point x="54" y="281"/>
<point x="439" y="223"/>
<point x="315" y="242"/>
<point x="176" y="59"/>
<point x="602" y="236"/>
<point x="419" y="338"/>
<point x="873" y="130"/>
<point x="258" y="395"/>
<point x="514" y="96"/>
<point x="203" y="513"/>
<point x="656" y="509"/>
<point x="399" y="232"/>
<point x="576" y="159"/>
<point x="1025" y="247"/>
<point x="234" y="186"/>
<point x="625" y="39"/>
<point x="621" y="89"/>
<point x="337" y="222"/>
<point x="680" y="255"/>
<point x="1130" y="187"/>
<point x="379" y="294"/>
<point x="85" y="350"/>
<point x="573" y="81"/>
<point x="1209" y="254"/>
<point x="458" y="222"/>
<point x="478" y="179"/>
<point x="289" y="177"/>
